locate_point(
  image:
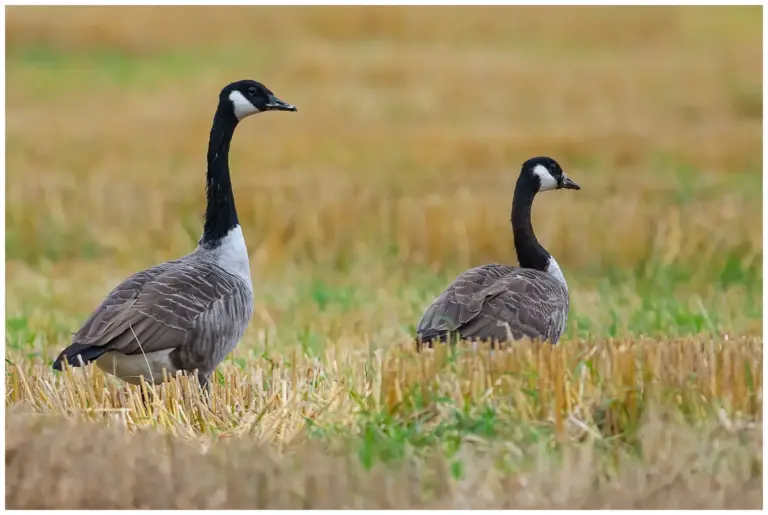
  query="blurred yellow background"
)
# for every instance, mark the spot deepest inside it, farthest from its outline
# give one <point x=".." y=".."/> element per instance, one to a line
<point x="402" y="159"/>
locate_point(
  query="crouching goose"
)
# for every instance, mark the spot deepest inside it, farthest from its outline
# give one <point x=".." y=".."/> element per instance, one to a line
<point x="189" y="313"/>
<point x="502" y="303"/>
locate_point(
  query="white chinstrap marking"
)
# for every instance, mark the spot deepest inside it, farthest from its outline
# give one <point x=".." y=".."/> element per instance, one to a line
<point x="548" y="182"/>
<point x="242" y="106"/>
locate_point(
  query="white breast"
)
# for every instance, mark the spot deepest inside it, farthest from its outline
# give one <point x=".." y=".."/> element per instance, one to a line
<point x="232" y="254"/>
<point x="553" y="269"/>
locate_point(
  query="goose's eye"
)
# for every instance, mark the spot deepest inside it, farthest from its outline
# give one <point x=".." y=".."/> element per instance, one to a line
<point x="252" y="91"/>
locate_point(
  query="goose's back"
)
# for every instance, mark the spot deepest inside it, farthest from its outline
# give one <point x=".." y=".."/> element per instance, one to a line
<point x="498" y="302"/>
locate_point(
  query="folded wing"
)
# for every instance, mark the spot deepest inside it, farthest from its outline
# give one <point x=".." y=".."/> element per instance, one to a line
<point x="152" y="310"/>
<point x="498" y="302"/>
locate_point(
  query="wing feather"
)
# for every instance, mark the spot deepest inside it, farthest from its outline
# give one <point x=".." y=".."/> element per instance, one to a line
<point x="495" y="302"/>
<point x="155" y="309"/>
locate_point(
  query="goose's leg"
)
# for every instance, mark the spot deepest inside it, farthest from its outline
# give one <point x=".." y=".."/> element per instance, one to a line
<point x="205" y="385"/>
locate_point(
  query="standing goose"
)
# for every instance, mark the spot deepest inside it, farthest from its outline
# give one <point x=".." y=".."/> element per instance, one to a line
<point x="502" y="303"/>
<point x="189" y="313"/>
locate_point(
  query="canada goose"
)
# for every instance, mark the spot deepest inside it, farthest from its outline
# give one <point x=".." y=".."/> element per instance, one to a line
<point x="189" y="313"/>
<point x="502" y="303"/>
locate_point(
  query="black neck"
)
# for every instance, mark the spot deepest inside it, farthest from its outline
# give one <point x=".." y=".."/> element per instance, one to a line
<point x="530" y="253"/>
<point x="220" y="213"/>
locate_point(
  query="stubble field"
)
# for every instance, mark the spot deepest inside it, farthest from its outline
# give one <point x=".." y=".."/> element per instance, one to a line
<point x="395" y="175"/>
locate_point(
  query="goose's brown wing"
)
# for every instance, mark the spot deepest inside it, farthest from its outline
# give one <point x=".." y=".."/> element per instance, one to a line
<point x="152" y="310"/>
<point x="497" y="302"/>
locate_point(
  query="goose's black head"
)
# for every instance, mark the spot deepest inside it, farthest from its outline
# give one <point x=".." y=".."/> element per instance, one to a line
<point x="547" y="174"/>
<point x="247" y="97"/>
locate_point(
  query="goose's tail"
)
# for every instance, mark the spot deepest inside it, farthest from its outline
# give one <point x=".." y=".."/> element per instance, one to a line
<point x="78" y="354"/>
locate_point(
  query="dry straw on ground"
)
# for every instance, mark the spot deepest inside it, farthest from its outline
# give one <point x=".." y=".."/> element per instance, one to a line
<point x="57" y="463"/>
<point x="602" y="400"/>
<point x="611" y="383"/>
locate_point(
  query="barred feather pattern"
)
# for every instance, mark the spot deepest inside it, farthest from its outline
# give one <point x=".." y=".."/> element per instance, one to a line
<point x="498" y="303"/>
<point x="191" y="308"/>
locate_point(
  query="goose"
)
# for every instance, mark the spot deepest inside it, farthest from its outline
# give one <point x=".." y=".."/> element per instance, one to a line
<point x="502" y="303"/>
<point x="189" y="313"/>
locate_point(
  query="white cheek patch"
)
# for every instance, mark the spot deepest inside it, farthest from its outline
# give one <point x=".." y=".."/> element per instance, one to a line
<point x="547" y="181"/>
<point x="241" y="105"/>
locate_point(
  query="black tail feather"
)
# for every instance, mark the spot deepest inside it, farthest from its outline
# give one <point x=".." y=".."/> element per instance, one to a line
<point x="78" y="351"/>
